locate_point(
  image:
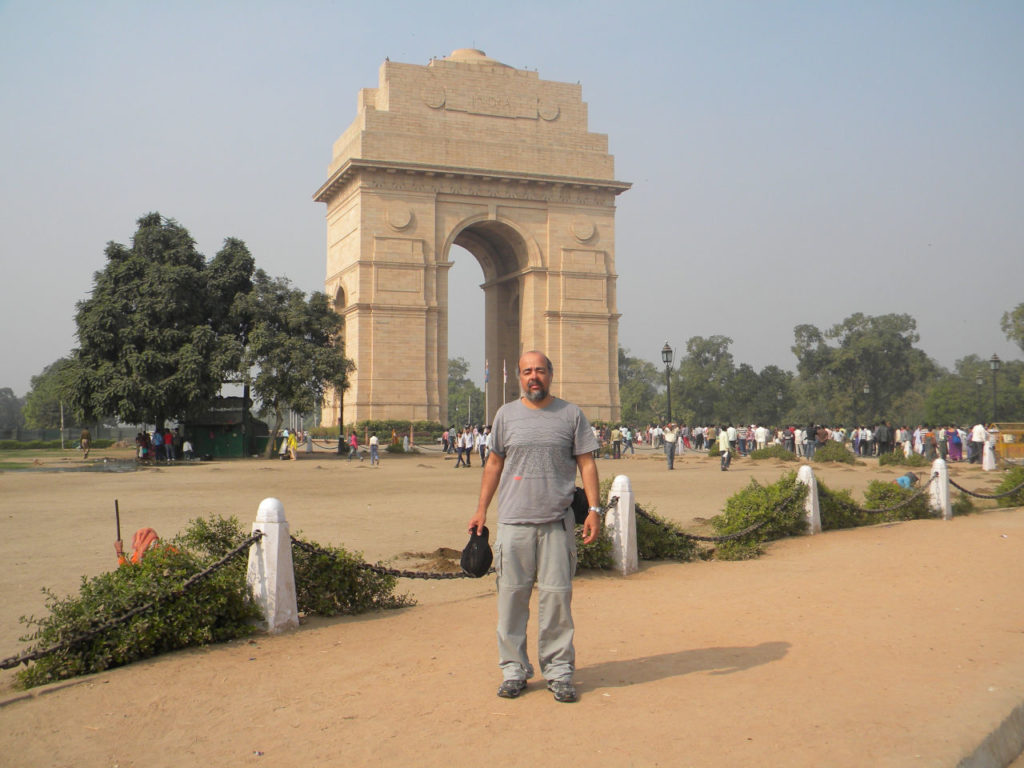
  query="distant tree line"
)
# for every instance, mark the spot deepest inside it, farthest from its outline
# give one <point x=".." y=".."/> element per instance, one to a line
<point x="860" y="371"/>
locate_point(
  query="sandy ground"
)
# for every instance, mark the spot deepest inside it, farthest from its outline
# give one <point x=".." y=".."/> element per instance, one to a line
<point x="896" y="645"/>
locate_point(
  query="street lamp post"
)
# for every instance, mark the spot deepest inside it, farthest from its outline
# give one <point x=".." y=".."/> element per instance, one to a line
<point x="994" y="363"/>
<point x="867" y="391"/>
<point x="978" y="382"/>
<point x="666" y="357"/>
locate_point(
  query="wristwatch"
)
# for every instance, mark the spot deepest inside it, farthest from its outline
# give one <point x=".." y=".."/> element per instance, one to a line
<point x="599" y="511"/>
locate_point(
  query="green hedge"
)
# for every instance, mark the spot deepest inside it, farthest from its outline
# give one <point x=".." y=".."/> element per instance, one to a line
<point x="899" y="460"/>
<point x="834" y="451"/>
<point x="15" y="445"/>
<point x="773" y="452"/>
<point x="754" y="504"/>
<point x="1011" y="480"/>
<point x="214" y="610"/>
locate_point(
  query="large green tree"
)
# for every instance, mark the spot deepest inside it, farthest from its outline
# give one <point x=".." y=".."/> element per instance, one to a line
<point x="292" y="350"/>
<point x="871" y="366"/>
<point x="147" y="348"/>
<point x="701" y="386"/>
<point x="639" y="383"/>
<point x="1013" y="325"/>
<point x="43" y="402"/>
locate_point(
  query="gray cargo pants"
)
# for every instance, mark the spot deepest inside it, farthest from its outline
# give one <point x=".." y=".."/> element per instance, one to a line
<point x="545" y="553"/>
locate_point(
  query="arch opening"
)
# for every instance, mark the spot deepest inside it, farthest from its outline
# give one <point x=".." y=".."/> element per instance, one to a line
<point x="502" y="255"/>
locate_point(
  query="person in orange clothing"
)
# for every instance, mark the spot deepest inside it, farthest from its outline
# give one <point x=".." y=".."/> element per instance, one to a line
<point x="144" y="540"/>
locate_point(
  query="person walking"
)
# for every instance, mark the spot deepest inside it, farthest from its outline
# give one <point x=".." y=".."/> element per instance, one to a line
<point x="353" y="445"/>
<point x="85" y="441"/>
<point x="541" y="441"/>
<point x="374" y="450"/>
<point x="724" y="448"/>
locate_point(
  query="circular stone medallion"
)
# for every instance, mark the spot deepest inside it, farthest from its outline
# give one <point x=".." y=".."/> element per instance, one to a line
<point x="583" y="230"/>
<point x="399" y="215"/>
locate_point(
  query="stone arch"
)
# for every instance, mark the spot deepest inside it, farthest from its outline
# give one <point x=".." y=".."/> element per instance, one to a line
<point x="467" y="151"/>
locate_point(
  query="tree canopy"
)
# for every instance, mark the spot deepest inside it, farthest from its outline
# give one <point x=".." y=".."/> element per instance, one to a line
<point x="465" y="399"/>
<point x="164" y="329"/>
<point x="43" y="403"/>
<point x="289" y="344"/>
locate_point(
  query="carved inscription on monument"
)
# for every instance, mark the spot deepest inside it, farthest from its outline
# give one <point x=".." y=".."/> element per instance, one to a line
<point x="490" y="104"/>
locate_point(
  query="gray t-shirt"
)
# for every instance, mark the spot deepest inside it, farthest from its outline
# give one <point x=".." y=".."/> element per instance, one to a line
<point x="540" y="447"/>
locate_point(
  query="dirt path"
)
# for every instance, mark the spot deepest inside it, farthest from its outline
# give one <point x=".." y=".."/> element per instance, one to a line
<point x="890" y="646"/>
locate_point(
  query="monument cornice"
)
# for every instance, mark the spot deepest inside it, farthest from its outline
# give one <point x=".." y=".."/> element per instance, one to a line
<point x="355" y="166"/>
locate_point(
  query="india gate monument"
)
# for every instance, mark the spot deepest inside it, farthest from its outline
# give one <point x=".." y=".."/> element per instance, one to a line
<point x="468" y="151"/>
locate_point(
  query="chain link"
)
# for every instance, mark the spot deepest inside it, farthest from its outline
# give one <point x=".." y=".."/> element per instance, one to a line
<point x="977" y="495"/>
<point x="196" y="578"/>
<point x="719" y="539"/>
<point x="380" y="569"/>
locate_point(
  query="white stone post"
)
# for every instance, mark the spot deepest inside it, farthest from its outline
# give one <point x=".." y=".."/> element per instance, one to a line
<point x="806" y="476"/>
<point x="271" y="576"/>
<point x="621" y="522"/>
<point x="938" y="493"/>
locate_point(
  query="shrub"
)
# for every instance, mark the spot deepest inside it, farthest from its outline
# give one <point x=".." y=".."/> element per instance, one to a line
<point x="838" y="509"/>
<point x="834" y="451"/>
<point x="596" y="554"/>
<point x="899" y="460"/>
<point x="324" y="585"/>
<point x="660" y="540"/>
<point x="655" y="541"/>
<point x="962" y="505"/>
<point x="880" y="495"/>
<point x="333" y="582"/>
<point x="1012" y="480"/>
<point x="773" y="452"/>
<point x="780" y="505"/>
<point x="213" y="610"/>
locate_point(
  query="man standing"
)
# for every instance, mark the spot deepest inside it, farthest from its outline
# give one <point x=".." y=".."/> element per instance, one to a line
<point x="542" y="440"/>
<point x="85" y="440"/>
<point x="670" y="435"/>
<point x="374" y="450"/>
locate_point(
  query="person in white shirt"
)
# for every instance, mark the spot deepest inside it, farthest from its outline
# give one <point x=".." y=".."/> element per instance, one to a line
<point x="979" y="436"/>
<point x="761" y="437"/>
<point x="374" y="450"/>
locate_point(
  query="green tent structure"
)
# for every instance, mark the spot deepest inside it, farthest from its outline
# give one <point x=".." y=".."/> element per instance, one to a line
<point x="226" y="430"/>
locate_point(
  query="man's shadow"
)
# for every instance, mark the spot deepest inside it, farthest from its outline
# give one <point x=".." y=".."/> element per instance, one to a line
<point x="717" y="661"/>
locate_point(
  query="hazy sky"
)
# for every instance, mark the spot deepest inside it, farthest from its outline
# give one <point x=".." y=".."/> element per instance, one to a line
<point x="792" y="162"/>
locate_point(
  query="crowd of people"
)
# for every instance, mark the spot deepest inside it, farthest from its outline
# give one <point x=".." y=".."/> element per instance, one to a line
<point x="470" y="440"/>
<point x="948" y="442"/>
<point x="163" y="445"/>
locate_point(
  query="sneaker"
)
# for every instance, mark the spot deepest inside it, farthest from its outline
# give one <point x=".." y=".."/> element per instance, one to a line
<point x="563" y="690"/>
<point x="510" y="689"/>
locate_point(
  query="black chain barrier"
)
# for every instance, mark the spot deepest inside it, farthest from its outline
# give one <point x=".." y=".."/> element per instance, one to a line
<point x="314" y="550"/>
<point x="718" y="539"/>
<point x="977" y="495"/>
<point x="25" y="658"/>
<point x="403" y="573"/>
